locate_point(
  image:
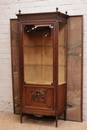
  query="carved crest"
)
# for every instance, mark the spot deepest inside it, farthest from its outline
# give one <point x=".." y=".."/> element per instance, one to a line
<point x="39" y="96"/>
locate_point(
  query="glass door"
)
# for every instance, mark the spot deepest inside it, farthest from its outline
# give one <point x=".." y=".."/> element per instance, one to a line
<point x="38" y="54"/>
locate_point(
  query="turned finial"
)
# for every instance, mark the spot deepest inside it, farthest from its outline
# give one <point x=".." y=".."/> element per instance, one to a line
<point x="19" y="11"/>
<point x="56" y="9"/>
<point x="66" y="12"/>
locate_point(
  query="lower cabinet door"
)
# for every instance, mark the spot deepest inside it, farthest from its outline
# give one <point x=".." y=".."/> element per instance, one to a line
<point x="38" y="98"/>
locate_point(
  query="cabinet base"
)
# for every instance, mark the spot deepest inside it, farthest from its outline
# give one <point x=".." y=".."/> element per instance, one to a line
<point x="38" y="115"/>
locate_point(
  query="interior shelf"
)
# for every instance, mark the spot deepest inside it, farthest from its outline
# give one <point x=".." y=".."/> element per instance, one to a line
<point x="38" y="45"/>
<point x="36" y="65"/>
<point x="40" y="65"/>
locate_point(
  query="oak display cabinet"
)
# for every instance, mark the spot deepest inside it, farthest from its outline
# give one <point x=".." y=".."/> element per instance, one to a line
<point x="43" y="63"/>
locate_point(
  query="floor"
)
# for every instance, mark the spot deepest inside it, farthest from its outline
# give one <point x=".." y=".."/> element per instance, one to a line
<point x="9" y="121"/>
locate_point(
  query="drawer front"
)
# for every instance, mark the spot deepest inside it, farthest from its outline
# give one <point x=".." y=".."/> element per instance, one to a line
<point x="38" y="98"/>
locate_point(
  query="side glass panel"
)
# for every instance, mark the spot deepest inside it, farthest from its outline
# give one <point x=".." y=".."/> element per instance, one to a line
<point x="15" y="63"/>
<point x="61" y="54"/>
<point x="38" y="54"/>
<point x="74" y="69"/>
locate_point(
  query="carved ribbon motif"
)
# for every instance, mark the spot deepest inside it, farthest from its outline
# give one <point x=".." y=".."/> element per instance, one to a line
<point x="39" y="96"/>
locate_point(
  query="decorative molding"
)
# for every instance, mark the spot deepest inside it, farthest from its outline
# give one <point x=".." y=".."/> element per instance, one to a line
<point x="37" y="17"/>
<point x="39" y="96"/>
<point x="42" y="16"/>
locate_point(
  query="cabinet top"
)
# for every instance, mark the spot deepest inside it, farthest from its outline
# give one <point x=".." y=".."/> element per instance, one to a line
<point x="42" y="16"/>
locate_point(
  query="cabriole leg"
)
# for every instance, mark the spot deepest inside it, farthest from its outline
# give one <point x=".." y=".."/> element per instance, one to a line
<point x="65" y="115"/>
<point x="21" y="117"/>
<point x="56" y="120"/>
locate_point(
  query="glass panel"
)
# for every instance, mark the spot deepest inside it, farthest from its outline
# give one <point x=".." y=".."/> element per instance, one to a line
<point x="38" y="54"/>
<point x="62" y="74"/>
<point x="61" y="54"/>
<point x="15" y="63"/>
<point x="42" y="77"/>
<point x="61" y="38"/>
<point x="74" y="69"/>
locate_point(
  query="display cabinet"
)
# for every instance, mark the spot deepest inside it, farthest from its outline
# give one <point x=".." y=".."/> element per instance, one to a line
<point x="42" y="63"/>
